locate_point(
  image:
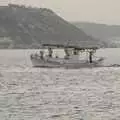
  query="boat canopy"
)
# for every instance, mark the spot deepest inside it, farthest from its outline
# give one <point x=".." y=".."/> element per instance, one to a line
<point x="69" y="46"/>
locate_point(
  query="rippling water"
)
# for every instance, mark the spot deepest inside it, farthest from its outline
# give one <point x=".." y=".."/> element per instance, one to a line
<point x="28" y="93"/>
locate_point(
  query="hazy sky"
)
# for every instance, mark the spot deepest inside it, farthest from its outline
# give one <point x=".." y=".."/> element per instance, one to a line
<point x="101" y="11"/>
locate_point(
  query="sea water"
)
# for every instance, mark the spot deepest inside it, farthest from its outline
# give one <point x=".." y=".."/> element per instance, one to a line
<point x="28" y="93"/>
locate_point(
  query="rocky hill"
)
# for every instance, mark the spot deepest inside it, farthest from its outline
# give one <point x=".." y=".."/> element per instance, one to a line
<point x="26" y="27"/>
<point x="110" y="34"/>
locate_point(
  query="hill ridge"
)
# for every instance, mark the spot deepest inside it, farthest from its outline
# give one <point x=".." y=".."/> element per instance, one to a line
<point x="26" y="27"/>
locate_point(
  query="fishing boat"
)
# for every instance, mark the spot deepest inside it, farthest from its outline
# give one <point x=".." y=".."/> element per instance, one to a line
<point x="72" y="58"/>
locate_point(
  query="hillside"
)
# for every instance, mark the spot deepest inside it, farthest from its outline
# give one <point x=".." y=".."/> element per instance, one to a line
<point x="107" y="33"/>
<point x="26" y="27"/>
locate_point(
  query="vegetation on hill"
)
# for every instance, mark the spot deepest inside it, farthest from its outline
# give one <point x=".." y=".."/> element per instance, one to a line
<point x="26" y="27"/>
<point x="109" y="34"/>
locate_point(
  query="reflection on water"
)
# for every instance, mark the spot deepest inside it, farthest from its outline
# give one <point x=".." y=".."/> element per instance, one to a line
<point x="28" y="93"/>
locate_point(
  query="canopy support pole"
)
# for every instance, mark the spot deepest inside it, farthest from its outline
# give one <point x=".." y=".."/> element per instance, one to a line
<point x="90" y="56"/>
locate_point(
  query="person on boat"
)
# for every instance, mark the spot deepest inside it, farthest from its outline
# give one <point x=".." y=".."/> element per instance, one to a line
<point x="66" y="53"/>
<point x="50" y="52"/>
<point x="41" y="54"/>
<point x="31" y="56"/>
<point x="90" y="56"/>
<point x="36" y="55"/>
<point x="75" y="52"/>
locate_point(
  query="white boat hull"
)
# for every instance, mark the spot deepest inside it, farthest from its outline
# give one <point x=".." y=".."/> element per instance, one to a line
<point x="63" y="63"/>
<point x="42" y="63"/>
